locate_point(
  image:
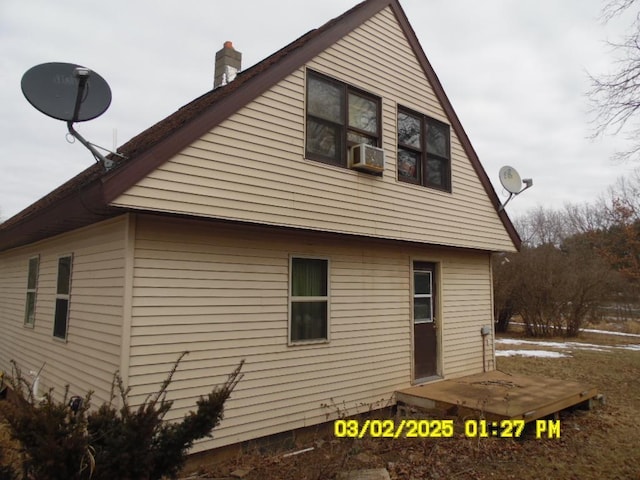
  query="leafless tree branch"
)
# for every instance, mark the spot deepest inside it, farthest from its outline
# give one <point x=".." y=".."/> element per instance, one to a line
<point x="616" y="97"/>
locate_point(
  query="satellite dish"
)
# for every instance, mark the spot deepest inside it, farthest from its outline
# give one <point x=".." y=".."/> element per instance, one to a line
<point x="70" y="93"/>
<point x="510" y="179"/>
<point x="66" y="91"/>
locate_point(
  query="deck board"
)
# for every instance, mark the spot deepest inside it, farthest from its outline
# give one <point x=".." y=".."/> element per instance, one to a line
<point x="498" y="395"/>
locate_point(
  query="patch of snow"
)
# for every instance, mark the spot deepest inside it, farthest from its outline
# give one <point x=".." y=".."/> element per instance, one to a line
<point x="608" y="332"/>
<point x="530" y="353"/>
<point x="633" y="347"/>
<point x="547" y="344"/>
<point x="560" y="345"/>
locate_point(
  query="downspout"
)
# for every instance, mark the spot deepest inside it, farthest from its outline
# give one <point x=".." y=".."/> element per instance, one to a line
<point x="127" y="304"/>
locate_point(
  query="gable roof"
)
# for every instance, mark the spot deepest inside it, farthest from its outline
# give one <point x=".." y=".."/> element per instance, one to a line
<point x="86" y="198"/>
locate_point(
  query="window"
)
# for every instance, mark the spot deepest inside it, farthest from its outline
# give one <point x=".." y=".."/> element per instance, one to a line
<point x="63" y="290"/>
<point x="422" y="294"/>
<point x="424" y="156"/>
<point x="338" y="117"/>
<point x="309" y="304"/>
<point x="32" y="287"/>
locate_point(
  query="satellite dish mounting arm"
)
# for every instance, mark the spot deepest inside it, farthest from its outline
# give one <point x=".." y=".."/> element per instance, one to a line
<point x="528" y="182"/>
<point x="98" y="156"/>
<point x="83" y="75"/>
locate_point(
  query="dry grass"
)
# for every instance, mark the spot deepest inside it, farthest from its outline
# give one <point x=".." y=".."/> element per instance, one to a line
<point x="10" y="459"/>
<point x="601" y="443"/>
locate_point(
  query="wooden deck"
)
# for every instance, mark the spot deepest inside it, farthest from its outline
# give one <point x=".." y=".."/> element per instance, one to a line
<point x="497" y="395"/>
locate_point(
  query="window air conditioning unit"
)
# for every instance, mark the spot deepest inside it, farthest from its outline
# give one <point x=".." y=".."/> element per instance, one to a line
<point x="367" y="158"/>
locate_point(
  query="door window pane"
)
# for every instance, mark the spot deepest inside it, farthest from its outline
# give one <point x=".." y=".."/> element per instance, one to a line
<point x="422" y="283"/>
<point x="422" y="310"/>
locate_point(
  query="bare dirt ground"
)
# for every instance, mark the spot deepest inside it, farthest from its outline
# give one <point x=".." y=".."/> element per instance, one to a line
<point x="600" y="443"/>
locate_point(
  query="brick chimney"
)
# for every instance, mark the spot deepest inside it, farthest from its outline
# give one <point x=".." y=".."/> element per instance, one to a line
<point x="228" y="62"/>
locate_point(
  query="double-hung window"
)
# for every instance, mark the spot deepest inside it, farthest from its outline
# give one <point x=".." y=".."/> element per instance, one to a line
<point x="32" y="288"/>
<point x="338" y="117"/>
<point x="63" y="291"/>
<point x="309" y="300"/>
<point x="424" y="151"/>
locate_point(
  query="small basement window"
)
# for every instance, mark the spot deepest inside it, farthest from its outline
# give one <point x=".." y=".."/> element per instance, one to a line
<point x="338" y="117"/>
<point x="309" y="300"/>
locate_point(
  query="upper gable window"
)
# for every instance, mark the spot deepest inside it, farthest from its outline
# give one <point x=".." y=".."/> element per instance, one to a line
<point x="424" y="152"/>
<point x="338" y="117"/>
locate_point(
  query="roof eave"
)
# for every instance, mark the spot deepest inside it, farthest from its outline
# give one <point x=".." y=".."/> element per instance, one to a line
<point x="80" y="208"/>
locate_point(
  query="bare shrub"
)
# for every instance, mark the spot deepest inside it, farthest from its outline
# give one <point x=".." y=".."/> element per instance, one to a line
<point x="68" y="441"/>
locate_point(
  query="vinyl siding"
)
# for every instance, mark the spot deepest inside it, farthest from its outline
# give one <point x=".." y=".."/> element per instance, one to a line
<point x="252" y="166"/>
<point x="91" y="354"/>
<point x="221" y="292"/>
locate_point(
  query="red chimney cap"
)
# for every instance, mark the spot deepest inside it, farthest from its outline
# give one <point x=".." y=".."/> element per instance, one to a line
<point x="228" y="44"/>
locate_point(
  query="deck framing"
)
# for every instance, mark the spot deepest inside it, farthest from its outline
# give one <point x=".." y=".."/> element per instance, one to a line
<point x="497" y="395"/>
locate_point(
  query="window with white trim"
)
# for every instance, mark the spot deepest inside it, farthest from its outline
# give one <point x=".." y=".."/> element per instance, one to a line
<point x="63" y="291"/>
<point x="32" y="289"/>
<point x="309" y="300"/>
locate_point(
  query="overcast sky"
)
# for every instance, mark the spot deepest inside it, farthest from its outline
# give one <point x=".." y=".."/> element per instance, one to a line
<point x="516" y="73"/>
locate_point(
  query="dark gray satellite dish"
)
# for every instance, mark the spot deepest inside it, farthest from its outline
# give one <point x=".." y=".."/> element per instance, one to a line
<point x="70" y="93"/>
<point x="66" y="91"/>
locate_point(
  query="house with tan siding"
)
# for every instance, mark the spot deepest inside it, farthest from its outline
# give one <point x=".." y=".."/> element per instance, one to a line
<point x="322" y="216"/>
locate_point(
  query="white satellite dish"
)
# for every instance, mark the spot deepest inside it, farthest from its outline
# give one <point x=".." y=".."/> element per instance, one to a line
<point x="512" y="183"/>
<point x="510" y="179"/>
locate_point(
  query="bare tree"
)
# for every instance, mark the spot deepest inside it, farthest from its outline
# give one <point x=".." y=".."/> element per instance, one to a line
<point x="616" y="97"/>
<point x="544" y="225"/>
<point x="576" y="261"/>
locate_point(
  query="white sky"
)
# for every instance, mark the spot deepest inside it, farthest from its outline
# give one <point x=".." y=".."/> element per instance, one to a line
<point x="515" y="72"/>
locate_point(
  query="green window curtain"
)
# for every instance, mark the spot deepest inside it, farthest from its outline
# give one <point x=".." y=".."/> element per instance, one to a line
<point x="309" y="279"/>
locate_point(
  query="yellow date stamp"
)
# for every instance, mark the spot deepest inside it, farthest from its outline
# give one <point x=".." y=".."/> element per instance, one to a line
<point x="428" y="428"/>
<point x="409" y="428"/>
